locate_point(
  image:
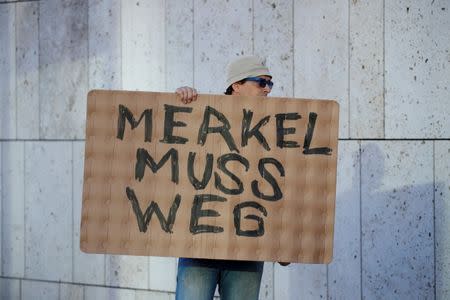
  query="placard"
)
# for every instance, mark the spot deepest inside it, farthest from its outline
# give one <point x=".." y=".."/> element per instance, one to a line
<point x="224" y="177"/>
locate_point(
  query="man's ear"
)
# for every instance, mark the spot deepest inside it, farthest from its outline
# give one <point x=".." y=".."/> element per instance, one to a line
<point x="236" y="87"/>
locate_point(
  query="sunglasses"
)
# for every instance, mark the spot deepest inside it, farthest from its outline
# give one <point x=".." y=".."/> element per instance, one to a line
<point x="261" y="81"/>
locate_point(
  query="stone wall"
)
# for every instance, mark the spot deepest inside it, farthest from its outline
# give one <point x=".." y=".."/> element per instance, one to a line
<point x="386" y="62"/>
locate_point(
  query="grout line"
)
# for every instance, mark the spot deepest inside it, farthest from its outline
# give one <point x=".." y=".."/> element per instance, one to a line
<point x="253" y="27"/>
<point x="86" y="284"/>
<point x="2" y="210"/>
<point x="17" y="1"/>
<point x="24" y="212"/>
<point x="193" y="43"/>
<point x="15" y="69"/>
<point x="73" y="221"/>
<point x="360" y="224"/>
<point x="293" y="49"/>
<point x="434" y="216"/>
<point x="348" y="71"/>
<point x="384" y="68"/>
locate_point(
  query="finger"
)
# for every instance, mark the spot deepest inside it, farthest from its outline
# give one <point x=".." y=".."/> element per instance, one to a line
<point x="194" y="94"/>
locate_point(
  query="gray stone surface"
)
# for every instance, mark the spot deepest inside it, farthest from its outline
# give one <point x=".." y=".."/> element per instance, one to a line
<point x="63" y="70"/>
<point x="102" y="293"/>
<point x="366" y="110"/>
<point x="87" y="268"/>
<point x="179" y="44"/>
<point x="274" y="39"/>
<point x="39" y="290"/>
<point x="27" y="70"/>
<point x="48" y="210"/>
<point x="143" y="295"/>
<point x="127" y="271"/>
<point x="8" y="72"/>
<point x="223" y="31"/>
<point x="417" y="69"/>
<point x="105" y="43"/>
<point x="1" y="208"/>
<point x="9" y="288"/>
<point x="321" y="54"/>
<point x="442" y="211"/>
<point x="397" y="220"/>
<point x="266" y="290"/>
<point x="162" y="273"/>
<point x="143" y="49"/>
<point x="71" y="292"/>
<point x="344" y="272"/>
<point x="300" y="281"/>
<point x="12" y="170"/>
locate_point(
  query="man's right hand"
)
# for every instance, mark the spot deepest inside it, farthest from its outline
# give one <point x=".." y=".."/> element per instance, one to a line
<point x="187" y="94"/>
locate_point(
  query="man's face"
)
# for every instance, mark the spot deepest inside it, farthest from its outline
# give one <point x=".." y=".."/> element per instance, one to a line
<point x="251" y="88"/>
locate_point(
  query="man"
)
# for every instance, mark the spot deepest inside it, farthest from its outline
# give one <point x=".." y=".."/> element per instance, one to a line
<point x="197" y="278"/>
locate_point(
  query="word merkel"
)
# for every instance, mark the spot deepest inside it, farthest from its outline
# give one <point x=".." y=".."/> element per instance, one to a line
<point x="249" y="129"/>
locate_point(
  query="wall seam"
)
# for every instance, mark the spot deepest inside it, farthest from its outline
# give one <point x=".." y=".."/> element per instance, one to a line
<point x="73" y="221"/>
<point x="434" y="217"/>
<point x="348" y="71"/>
<point x="360" y="224"/>
<point x="39" y="68"/>
<point x="193" y="43"/>
<point x="384" y="68"/>
<point x="24" y="213"/>
<point x="1" y="209"/>
<point x="15" y="69"/>
<point x="253" y="27"/>
<point x="293" y="48"/>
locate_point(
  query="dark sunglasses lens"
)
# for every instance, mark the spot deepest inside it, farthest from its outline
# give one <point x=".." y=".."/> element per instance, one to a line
<point x="264" y="82"/>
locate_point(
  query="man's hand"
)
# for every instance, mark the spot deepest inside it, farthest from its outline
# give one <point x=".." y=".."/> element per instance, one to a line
<point x="187" y="94"/>
<point x="284" y="263"/>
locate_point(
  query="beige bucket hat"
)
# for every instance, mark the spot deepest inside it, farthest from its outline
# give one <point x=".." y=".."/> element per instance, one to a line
<point x="245" y="66"/>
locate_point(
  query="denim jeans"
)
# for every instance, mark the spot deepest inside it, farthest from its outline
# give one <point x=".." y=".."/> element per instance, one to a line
<point x="197" y="279"/>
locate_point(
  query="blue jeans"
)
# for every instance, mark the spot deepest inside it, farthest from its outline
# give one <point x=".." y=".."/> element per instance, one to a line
<point x="197" y="279"/>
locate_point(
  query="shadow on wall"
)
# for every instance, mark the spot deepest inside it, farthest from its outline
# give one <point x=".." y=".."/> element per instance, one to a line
<point x="384" y="240"/>
<point x="397" y="226"/>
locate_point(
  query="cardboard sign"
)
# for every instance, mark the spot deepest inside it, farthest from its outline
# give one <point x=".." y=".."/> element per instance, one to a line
<point x="225" y="177"/>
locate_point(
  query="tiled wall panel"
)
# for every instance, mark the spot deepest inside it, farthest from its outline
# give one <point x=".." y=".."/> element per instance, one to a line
<point x="397" y="220"/>
<point x="127" y="271"/>
<point x="300" y="281"/>
<point x="179" y="44"/>
<point x="144" y="295"/>
<point x="87" y="268"/>
<point x="71" y="292"/>
<point x="9" y="288"/>
<point x="442" y="210"/>
<point x="101" y="293"/>
<point x="321" y="53"/>
<point x="8" y="72"/>
<point x="39" y="290"/>
<point x="13" y="226"/>
<point x="105" y="42"/>
<point x="344" y="272"/>
<point x="1" y="208"/>
<point x="27" y="70"/>
<point x="417" y="69"/>
<point x="274" y="41"/>
<point x="63" y="72"/>
<point x="366" y="108"/>
<point x="48" y="210"/>
<point x="222" y="31"/>
<point x="266" y="289"/>
<point x="163" y="273"/>
<point x="143" y="45"/>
